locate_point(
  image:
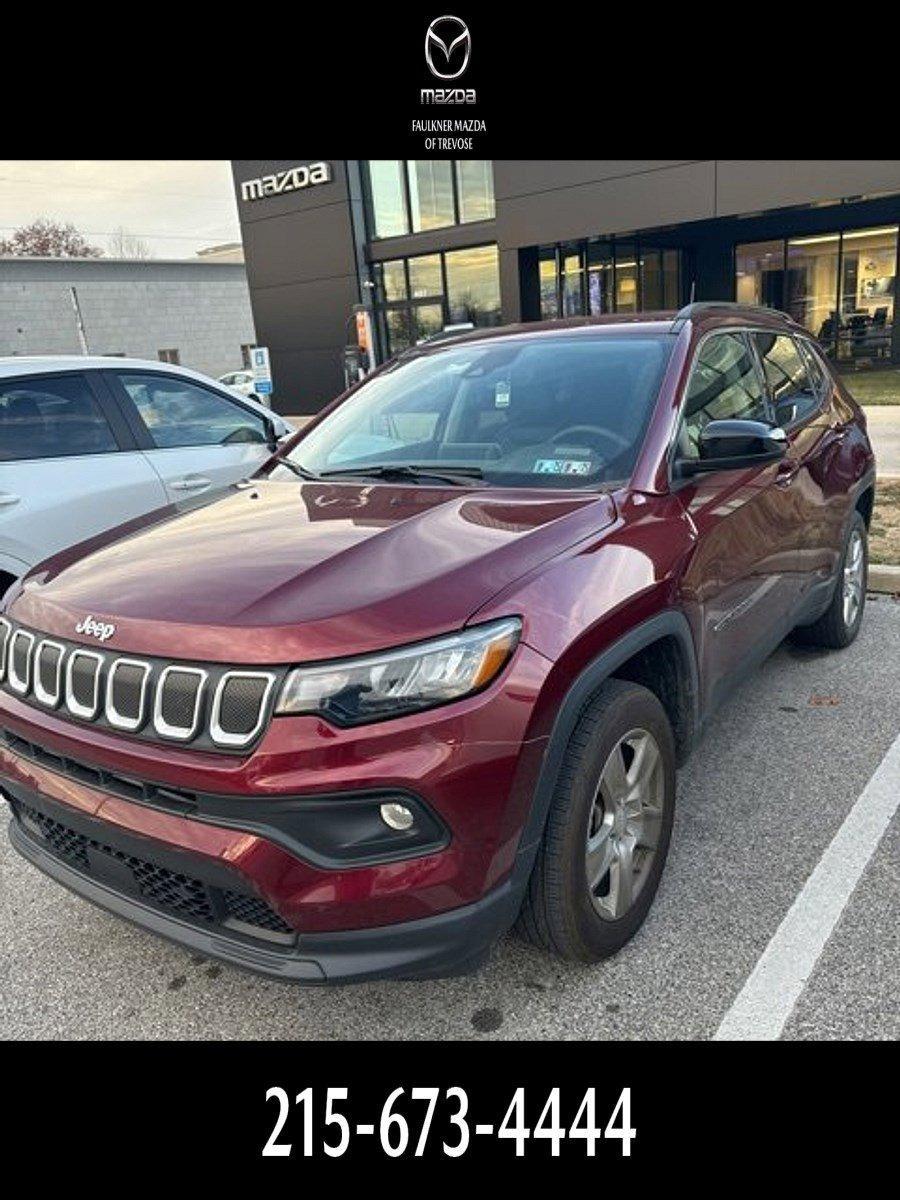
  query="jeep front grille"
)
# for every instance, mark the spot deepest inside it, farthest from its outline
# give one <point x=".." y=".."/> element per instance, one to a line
<point x="206" y="706"/>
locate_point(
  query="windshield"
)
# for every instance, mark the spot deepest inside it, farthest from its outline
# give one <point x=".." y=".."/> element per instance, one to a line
<point x="551" y="412"/>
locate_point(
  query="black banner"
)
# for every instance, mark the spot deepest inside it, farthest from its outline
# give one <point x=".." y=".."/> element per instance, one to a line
<point x="227" y="1109"/>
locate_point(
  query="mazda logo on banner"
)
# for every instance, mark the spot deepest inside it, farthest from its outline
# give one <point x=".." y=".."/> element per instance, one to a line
<point x="448" y="45"/>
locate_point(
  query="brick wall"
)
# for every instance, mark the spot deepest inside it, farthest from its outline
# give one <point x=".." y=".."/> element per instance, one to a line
<point x="202" y="309"/>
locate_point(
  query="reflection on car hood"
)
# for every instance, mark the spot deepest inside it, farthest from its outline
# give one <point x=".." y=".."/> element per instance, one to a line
<point x="282" y="572"/>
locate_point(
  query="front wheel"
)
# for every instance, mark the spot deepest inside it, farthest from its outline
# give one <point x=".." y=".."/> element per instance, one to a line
<point x="839" y="624"/>
<point x="608" y="830"/>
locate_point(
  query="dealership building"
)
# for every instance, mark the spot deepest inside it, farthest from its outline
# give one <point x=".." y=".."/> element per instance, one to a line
<point x="427" y="243"/>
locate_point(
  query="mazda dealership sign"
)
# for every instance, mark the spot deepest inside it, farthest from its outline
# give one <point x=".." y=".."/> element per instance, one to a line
<point x="294" y="179"/>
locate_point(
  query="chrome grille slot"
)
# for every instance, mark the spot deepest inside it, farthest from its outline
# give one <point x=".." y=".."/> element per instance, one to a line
<point x="83" y="683"/>
<point x="126" y="693"/>
<point x="211" y="707"/>
<point x="179" y="696"/>
<point x="48" y="673"/>
<point x="239" y="706"/>
<point x="21" y="645"/>
<point x="5" y="631"/>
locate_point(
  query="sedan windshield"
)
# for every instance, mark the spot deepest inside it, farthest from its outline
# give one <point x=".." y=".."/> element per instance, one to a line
<point x="533" y="412"/>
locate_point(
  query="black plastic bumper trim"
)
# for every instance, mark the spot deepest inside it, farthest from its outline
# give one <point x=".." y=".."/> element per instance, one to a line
<point x="329" y="830"/>
<point x="446" y="944"/>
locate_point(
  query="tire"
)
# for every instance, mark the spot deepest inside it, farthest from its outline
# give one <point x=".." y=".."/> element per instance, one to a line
<point x="561" y="912"/>
<point x="836" y="629"/>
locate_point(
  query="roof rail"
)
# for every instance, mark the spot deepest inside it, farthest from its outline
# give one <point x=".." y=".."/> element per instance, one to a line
<point x="448" y="332"/>
<point x="443" y="335"/>
<point x="697" y="307"/>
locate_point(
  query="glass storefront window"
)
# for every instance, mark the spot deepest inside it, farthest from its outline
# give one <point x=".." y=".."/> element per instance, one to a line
<point x="600" y="277"/>
<point x="549" y="282"/>
<point x="389" y="217"/>
<point x="390" y="279"/>
<point x="839" y="286"/>
<point x="573" y="276"/>
<point x="651" y="280"/>
<point x="671" y="270"/>
<point x="427" y="319"/>
<point x="626" y="279"/>
<point x="398" y="323"/>
<point x="425" y="276"/>
<point x="811" y="285"/>
<point x="475" y="187"/>
<point x="473" y="285"/>
<point x="419" y="194"/>
<point x="430" y="194"/>
<point x="868" y="267"/>
<point x="759" y="267"/>
<point x="473" y="294"/>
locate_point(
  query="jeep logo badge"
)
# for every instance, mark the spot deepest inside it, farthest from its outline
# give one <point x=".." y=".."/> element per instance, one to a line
<point x="96" y="629"/>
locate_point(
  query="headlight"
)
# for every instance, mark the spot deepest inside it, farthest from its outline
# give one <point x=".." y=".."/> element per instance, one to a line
<point x="394" y="682"/>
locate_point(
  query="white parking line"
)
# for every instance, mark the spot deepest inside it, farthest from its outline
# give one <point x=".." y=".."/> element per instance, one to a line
<point x="772" y="989"/>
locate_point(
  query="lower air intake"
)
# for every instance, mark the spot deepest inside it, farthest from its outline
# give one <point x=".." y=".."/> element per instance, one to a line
<point x="177" y="892"/>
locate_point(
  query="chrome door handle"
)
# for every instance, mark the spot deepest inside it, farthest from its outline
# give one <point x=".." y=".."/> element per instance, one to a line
<point x="191" y="484"/>
<point x="8" y="498"/>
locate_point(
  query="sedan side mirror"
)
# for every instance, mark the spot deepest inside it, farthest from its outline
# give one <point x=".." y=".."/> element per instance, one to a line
<point x="271" y="433"/>
<point x="734" y="444"/>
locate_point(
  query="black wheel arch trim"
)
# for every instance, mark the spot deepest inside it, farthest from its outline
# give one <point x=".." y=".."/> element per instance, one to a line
<point x="669" y="623"/>
<point x="865" y="482"/>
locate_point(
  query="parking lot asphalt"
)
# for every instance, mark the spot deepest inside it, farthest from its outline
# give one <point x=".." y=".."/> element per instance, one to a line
<point x="778" y="771"/>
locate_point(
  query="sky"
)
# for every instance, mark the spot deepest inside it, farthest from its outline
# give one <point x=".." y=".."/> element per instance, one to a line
<point x="175" y="207"/>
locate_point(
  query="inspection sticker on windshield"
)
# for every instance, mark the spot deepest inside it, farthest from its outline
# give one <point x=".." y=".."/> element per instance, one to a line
<point x="562" y="466"/>
<point x="501" y="394"/>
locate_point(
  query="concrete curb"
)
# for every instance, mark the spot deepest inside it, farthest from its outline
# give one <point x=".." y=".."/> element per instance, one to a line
<point x="884" y="578"/>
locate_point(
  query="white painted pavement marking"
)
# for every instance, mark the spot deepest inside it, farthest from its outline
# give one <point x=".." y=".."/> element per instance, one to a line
<point x="767" y="999"/>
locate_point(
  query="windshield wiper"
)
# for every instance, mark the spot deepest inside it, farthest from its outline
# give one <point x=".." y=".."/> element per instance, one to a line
<point x="296" y="468"/>
<point x="411" y="472"/>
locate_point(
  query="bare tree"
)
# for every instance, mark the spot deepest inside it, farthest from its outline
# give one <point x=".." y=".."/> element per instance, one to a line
<point x="123" y="244"/>
<point x="44" y="238"/>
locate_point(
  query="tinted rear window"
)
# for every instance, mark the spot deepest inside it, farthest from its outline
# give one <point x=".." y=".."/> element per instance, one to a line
<point x="51" y="418"/>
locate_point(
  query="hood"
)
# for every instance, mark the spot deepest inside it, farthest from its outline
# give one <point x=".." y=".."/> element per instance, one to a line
<point x="289" y="571"/>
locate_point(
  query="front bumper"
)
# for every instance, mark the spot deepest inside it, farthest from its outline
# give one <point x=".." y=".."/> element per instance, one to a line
<point x="264" y="834"/>
<point x="446" y="944"/>
<point x="472" y="765"/>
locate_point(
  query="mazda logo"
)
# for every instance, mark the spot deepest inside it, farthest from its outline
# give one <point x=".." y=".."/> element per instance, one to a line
<point x="447" y="40"/>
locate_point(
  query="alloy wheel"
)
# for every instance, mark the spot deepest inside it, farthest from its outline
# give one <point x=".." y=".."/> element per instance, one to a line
<point x="624" y="824"/>
<point x="854" y="563"/>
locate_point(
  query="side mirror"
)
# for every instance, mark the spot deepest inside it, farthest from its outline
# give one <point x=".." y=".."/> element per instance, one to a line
<point x="734" y="444"/>
<point x="271" y="433"/>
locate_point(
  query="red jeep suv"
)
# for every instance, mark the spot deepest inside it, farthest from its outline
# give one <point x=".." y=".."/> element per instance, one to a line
<point x="430" y="673"/>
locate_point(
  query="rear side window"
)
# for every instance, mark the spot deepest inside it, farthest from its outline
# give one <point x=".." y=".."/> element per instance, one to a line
<point x="793" y="392"/>
<point x="817" y="372"/>
<point x="177" y="412"/>
<point x="51" y="418"/>
<point x="725" y="383"/>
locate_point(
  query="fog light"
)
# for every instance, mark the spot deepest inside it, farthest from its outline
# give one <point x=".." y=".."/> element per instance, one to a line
<point x="397" y="816"/>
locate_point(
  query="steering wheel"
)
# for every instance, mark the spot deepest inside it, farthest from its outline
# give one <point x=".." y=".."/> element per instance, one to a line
<point x="592" y="430"/>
